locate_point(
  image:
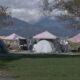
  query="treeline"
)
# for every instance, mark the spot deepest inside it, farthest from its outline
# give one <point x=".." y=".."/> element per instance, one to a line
<point x="73" y="7"/>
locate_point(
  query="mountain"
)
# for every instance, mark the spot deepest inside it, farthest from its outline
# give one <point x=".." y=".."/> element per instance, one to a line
<point x="56" y="26"/>
<point x="19" y="27"/>
<point x="25" y="29"/>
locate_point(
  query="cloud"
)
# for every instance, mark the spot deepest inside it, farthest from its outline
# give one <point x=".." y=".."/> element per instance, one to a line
<point x="26" y="14"/>
<point x="17" y="10"/>
<point x="27" y="10"/>
<point x="57" y="12"/>
<point x="23" y="9"/>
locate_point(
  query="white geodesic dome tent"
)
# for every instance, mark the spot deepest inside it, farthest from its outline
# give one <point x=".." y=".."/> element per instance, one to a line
<point x="44" y="46"/>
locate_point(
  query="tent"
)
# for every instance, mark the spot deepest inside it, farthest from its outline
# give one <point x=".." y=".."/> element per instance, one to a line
<point x="44" y="46"/>
<point x="13" y="37"/>
<point x="45" y="35"/>
<point x="2" y="37"/>
<point x="12" y="41"/>
<point x="75" y="39"/>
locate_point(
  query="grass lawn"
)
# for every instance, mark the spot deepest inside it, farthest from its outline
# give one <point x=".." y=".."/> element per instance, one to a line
<point x="43" y="68"/>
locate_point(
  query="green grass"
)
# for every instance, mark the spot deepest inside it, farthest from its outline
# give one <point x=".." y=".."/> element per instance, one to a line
<point x="44" y="68"/>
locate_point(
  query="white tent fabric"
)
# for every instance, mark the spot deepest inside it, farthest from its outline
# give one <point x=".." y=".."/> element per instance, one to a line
<point x="45" y="35"/>
<point x="44" y="46"/>
<point x="13" y="37"/>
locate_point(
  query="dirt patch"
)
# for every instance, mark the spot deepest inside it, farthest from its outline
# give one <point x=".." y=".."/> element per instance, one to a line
<point x="5" y="76"/>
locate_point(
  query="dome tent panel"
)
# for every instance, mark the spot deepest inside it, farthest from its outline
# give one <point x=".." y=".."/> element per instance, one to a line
<point x="44" y="46"/>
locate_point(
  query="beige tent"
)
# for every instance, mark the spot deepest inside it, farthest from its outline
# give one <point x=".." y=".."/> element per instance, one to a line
<point x="12" y="41"/>
<point x="45" y="35"/>
<point x="14" y="37"/>
<point x="75" y="39"/>
<point x="2" y="37"/>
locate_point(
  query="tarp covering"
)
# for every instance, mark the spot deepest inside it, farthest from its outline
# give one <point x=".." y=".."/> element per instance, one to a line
<point x="44" y="35"/>
<point x="44" y="46"/>
<point x="75" y="39"/>
<point x="13" y="37"/>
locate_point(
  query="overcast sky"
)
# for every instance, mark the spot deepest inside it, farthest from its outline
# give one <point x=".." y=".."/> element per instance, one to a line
<point x="26" y="10"/>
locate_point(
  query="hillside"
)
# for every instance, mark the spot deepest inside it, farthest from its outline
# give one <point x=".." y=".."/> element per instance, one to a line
<point x="56" y="26"/>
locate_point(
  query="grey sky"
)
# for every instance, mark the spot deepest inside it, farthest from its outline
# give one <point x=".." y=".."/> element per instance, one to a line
<point x="27" y="10"/>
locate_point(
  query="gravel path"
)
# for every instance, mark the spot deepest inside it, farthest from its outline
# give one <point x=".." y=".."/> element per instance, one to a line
<point x="5" y="76"/>
<point x="29" y="52"/>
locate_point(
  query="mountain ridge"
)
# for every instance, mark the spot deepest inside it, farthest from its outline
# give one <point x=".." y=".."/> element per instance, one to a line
<point x="25" y="29"/>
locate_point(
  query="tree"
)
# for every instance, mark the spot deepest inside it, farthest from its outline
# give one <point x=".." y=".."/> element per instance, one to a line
<point x="71" y="6"/>
<point x="4" y="16"/>
<point x="47" y="7"/>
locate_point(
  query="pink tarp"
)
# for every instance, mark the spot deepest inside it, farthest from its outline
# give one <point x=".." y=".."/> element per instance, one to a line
<point x="44" y="35"/>
<point x="14" y="37"/>
<point x="75" y="39"/>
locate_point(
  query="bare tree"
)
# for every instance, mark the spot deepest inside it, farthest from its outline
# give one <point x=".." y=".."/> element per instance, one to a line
<point x="4" y="16"/>
<point x="72" y="7"/>
<point x="47" y="7"/>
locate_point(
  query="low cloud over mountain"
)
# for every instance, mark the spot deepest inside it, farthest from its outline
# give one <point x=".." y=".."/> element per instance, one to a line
<point x="27" y="10"/>
<point x="56" y="26"/>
